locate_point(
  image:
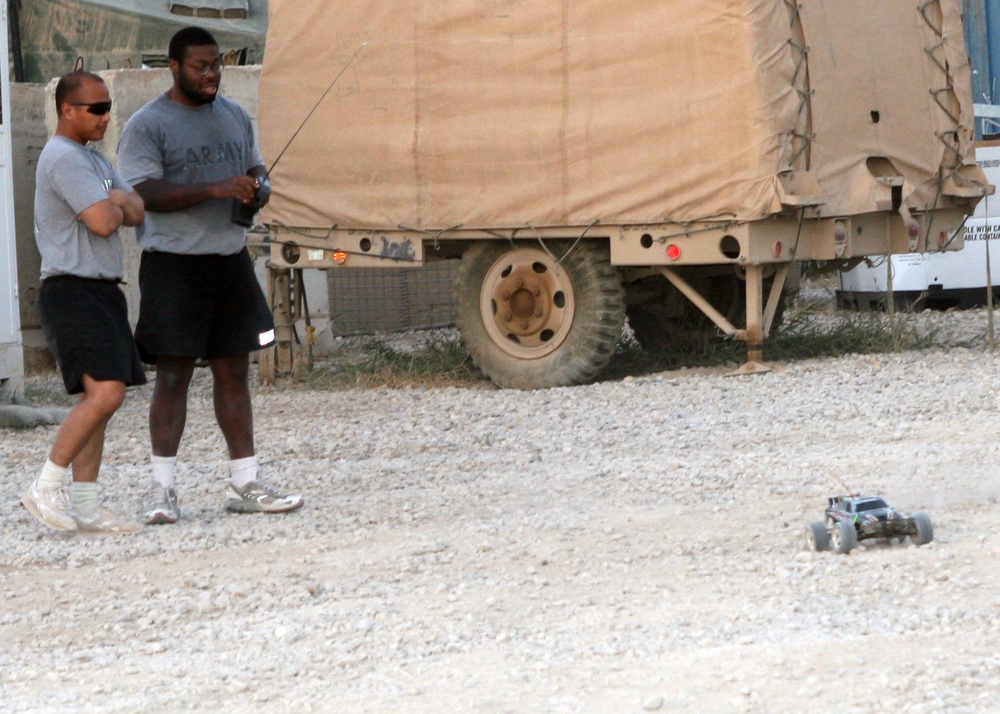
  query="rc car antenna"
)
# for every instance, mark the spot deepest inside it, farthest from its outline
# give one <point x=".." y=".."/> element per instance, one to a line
<point x="315" y="107"/>
<point x="847" y="489"/>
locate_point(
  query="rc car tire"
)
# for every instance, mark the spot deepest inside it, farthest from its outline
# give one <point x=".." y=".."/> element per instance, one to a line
<point x="817" y="538"/>
<point x="925" y="531"/>
<point x="844" y="537"/>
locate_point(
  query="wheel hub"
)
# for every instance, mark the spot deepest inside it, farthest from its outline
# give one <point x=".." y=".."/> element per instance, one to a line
<point x="522" y="303"/>
<point x="524" y="312"/>
<point x="527" y="303"/>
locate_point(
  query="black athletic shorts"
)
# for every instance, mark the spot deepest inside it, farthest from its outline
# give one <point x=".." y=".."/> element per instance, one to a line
<point x="85" y="322"/>
<point x="200" y="306"/>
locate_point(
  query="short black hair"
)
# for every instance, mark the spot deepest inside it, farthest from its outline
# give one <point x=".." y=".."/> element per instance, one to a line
<point x="188" y="37"/>
<point x="70" y="83"/>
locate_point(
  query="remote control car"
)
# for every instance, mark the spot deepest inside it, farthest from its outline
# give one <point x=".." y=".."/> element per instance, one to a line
<point x="854" y="518"/>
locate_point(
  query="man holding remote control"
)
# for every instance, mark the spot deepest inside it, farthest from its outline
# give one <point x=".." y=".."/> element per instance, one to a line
<point x="192" y="156"/>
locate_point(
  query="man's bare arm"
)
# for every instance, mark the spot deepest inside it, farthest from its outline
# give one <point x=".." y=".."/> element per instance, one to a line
<point x="133" y="209"/>
<point x="165" y="197"/>
<point x="103" y="218"/>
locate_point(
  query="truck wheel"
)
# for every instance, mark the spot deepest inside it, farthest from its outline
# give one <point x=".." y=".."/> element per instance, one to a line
<point x="925" y="531"/>
<point x="817" y="538"/>
<point x="843" y="537"/>
<point x="534" y="318"/>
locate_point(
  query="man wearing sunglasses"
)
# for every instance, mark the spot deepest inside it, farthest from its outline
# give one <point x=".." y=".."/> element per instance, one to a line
<point x="191" y="154"/>
<point x="80" y="203"/>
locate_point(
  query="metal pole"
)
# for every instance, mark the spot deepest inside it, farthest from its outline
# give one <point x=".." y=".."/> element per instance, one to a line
<point x="890" y="298"/>
<point x="991" y="341"/>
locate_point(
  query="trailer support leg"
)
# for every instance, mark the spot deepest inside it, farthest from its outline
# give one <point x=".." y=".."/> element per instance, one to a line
<point x="277" y="359"/>
<point x="724" y="325"/>
<point x="760" y="316"/>
<point x="303" y="355"/>
<point x="287" y="297"/>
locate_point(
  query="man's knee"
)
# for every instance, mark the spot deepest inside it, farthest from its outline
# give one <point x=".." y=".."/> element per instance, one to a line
<point x="173" y="375"/>
<point x="106" y="395"/>
<point x="231" y="372"/>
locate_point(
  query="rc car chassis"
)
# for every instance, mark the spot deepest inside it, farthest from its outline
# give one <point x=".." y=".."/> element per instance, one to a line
<point x="850" y="519"/>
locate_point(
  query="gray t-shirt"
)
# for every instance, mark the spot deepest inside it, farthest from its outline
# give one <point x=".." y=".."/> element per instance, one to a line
<point x="172" y="142"/>
<point x="69" y="179"/>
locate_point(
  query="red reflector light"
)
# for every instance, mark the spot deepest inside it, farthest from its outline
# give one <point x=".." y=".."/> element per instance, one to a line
<point x="673" y="252"/>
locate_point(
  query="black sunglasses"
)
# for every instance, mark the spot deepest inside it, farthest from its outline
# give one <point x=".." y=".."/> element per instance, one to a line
<point x="96" y="108"/>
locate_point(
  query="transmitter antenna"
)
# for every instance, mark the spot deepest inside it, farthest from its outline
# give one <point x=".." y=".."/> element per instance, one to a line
<point x="316" y="106"/>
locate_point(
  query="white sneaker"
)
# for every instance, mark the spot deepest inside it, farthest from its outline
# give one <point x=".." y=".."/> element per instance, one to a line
<point x="161" y="506"/>
<point x="50" y="505"/>
<point x="258" y="497"/>
<point x="104" y="521"/>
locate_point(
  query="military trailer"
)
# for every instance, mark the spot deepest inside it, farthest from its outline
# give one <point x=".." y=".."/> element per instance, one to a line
<point x="663" y="160"/>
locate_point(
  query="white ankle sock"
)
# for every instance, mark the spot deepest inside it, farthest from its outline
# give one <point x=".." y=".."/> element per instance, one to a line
<point x="53" y="475"/>
<point x="164" y="468"/>
<point x="243" y="471"/>
<point x="83" y="496"/>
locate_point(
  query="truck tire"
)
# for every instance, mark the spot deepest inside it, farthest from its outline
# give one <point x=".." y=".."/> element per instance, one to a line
<point x="843" y="537"/>
<point x="925" y="531"/>
<point x="670" y="321"/>
<point x="533" y="318"/>
<point x="817" y="538"/>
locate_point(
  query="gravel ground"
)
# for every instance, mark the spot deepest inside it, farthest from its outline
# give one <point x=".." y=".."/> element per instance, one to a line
<point x="627" y="546"/>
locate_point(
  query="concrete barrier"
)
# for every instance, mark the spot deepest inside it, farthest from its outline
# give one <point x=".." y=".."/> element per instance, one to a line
<point x="28" y="136"/>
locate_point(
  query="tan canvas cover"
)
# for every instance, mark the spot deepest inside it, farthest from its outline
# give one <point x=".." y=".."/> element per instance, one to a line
<point x="507" y="113"/>
<point x="883" y="57"/>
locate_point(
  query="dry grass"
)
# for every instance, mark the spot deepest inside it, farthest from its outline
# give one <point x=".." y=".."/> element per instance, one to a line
<point x="438" y="362"/>
<point x="810" y="330"/>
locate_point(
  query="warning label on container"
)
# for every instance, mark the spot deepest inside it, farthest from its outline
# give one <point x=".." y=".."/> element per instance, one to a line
<point x="982" y="232"/>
